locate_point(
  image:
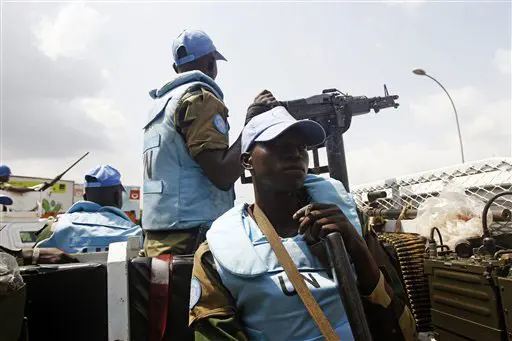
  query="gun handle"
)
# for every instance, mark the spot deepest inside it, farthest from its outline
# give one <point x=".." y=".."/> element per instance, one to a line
<point x="346" y="283"/>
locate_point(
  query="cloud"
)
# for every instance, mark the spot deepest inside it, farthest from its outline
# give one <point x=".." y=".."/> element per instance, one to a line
<point x="502" y="60"/>
<point x="69" y="34"/>
<point x="102" y="110"/>
<point x="40" y="118"/>
<point x="436" y="109"/>
<point x="480" y="118"/>
<point x="105" y="74"/>
<point x="492" y="120"/>
<point x="486" y="130"/>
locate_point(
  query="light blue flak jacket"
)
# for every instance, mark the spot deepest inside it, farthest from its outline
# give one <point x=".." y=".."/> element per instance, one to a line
<point x="89" y="227"/>
<point x="269" y="307"/>
<point x="177" y="194"/>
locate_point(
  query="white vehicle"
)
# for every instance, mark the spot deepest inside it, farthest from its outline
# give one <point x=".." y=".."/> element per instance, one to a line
<point x="52" y="201"/>
<point x="29" y="211"/>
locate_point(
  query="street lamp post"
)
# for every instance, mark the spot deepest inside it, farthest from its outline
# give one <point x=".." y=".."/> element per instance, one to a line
<point x="421" y="72"/>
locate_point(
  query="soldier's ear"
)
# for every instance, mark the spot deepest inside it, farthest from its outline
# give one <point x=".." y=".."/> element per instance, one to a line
<point x="246" y="161"/>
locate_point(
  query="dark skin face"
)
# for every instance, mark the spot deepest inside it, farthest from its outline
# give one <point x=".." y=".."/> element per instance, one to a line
<point x="281" y="164"/>
<point x="105" y="196"/>
<point x="278" y="169"/>
<point x="206" y="64"/>
<point x="4" y="178"/>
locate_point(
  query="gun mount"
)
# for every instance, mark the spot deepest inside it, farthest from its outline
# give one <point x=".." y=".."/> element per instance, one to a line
<point x="334" y="111"/>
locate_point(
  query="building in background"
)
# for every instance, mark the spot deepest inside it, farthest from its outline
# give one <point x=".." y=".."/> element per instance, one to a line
<point x="60" y="197"/>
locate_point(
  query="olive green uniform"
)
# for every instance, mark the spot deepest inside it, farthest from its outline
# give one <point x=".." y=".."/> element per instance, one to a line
<point x="47" y="230"/>
<point x="194" y="120"/>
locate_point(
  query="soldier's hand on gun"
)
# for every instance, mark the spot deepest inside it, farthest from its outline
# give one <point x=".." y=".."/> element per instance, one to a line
<point x="317" y="220"/>
<point x="262" y="103"/>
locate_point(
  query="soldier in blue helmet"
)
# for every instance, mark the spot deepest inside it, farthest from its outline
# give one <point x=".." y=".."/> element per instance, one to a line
<point x="189" y="166"/>
<point x="92" y="224"/>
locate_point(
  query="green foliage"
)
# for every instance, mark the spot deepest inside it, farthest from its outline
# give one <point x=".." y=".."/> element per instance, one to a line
<point x="46" y="206"/>
<point x="51" y="207"/>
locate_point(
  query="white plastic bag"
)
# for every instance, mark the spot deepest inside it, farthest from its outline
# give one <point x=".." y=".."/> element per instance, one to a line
<point x="454" y="213"/>
<point x="10" y="277"/>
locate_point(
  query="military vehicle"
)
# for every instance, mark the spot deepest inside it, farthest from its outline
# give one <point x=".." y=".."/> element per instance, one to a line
<point x="459" y="294"/>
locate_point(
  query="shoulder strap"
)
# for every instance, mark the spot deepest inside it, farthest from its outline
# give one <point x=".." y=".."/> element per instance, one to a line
<point x="293" y="275"/>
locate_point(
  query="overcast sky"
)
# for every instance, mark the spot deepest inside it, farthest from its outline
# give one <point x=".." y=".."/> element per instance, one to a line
<point x="75" y="77"/>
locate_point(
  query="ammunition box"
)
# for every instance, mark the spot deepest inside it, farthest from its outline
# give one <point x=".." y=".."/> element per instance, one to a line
<point x="465" y="300"/>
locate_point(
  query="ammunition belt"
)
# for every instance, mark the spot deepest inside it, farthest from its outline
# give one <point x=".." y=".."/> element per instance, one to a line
<point x="410" y="252"/>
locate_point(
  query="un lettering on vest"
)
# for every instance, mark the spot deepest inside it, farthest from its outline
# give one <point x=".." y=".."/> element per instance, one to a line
<point x="270" y="302"/>
<point x="287" y="287"/>
<point x="148" y="164"/>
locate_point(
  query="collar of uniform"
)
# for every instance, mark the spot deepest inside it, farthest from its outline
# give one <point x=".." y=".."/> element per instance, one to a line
<point x="89" y="206"/>
<point x="230" y="243"/>
<point x="188" y="77"/>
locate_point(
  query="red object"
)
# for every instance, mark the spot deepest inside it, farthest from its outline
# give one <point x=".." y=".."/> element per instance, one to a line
<point x="134" y="194"/>
<point x="159" y="296"/>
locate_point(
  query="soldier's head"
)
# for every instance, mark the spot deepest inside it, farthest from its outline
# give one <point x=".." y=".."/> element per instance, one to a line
<point x="103" y="186"/>
<point x="5" y="173"/>
<point x="274" y="149"/>
<point x="194" y="50"/>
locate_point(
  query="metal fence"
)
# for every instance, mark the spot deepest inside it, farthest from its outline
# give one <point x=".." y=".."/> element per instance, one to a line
<point x="481" y="179"/>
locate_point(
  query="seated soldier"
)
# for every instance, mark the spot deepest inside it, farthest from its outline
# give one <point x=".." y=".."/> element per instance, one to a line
<point x="239" y="291"/>
<point x="91" y="225"/>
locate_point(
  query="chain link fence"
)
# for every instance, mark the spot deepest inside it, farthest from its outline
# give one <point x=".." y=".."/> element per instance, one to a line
<point x="481" y="179"/>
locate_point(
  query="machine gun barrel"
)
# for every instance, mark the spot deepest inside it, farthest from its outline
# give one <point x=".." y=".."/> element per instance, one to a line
<point x="497" y="215"/>
<point x="332" y="108"/>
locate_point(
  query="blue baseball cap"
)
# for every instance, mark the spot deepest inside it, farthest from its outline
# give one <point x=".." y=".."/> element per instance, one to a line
<point x="4" y="170"/>
<point x="197" y="44"/>
<point x="271" y="124"/>
<point x="102" y="176"/>
<point x="5" y="200"/>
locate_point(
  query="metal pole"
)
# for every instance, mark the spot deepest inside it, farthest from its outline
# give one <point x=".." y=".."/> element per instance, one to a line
<point x="456" y="115"/>
<point x="336" y="157"/>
